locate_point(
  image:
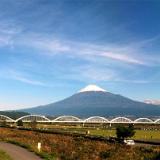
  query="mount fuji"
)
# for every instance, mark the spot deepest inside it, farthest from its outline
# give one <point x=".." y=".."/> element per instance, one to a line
<point x="93" y="100"/>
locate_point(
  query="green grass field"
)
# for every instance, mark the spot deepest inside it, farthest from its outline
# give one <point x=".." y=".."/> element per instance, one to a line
<point x="140" y="134"/>
<point x="4" y="156"/>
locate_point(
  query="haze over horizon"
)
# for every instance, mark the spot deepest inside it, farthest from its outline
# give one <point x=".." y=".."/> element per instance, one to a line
<point x="51" y="49"/>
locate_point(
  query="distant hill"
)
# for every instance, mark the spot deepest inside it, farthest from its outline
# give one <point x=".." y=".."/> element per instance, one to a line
<point x="13" y="114"/>
<point x="93" y="100"/>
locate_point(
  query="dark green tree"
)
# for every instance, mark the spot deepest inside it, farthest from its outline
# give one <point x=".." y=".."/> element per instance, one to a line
<point x="20" y="123"/>
<point x="123" y="132"/>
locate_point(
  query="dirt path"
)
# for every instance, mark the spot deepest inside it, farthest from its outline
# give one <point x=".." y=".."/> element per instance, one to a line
<point x="18" y="153"/>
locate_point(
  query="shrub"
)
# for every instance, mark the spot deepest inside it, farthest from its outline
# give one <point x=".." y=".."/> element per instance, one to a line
<point x="20" y="123"/>
<point x="123" y="132"/>
<point x="46" y="156"/>
<point x="157" y="156"/>
<point x="105" y="154"/>
<point x="146" y="150"/>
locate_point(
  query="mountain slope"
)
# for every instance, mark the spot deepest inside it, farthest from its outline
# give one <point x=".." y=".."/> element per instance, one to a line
<point x="89" y="103"/>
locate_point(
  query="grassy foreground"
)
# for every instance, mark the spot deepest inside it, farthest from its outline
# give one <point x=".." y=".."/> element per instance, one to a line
<point x="4" y="156"/>
<point x="63" y="147"/>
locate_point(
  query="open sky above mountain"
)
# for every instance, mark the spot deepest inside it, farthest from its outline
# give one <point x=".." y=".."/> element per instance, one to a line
<point x="51" y="49"/>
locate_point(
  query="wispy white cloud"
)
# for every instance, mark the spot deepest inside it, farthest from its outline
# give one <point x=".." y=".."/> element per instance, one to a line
<point x="20" y="76"/>
<point x="5" y="40"/>
<point x="131" y="53"/>
<point x="7" y="35"/>
<point x="123" y="58"/>
<point x="93" y="74"/>
<point x="128" y="53"/>
<point x="123" y="80"/>
<point x="94" y="53"/>
<point x="28" y="81"/>
<point x="50" y="45"/>
<point x="145" y="42"/>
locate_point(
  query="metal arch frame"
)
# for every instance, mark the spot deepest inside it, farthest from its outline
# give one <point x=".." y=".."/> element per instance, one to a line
<point x="34" y="115"/>
<point x="129" y="120"/>
<point x="147" y="119"/>
<point x="102" y="118"/>
<point x="74" y="117"/>
<point x="156" y="121"/>
<point x="8" y="118"/>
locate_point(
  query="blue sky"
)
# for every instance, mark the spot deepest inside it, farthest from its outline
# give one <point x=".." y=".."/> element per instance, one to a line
<point x="49" y="49"/>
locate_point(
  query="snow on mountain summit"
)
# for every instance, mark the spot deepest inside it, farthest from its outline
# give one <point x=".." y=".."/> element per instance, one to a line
<point x="92" y="87"/>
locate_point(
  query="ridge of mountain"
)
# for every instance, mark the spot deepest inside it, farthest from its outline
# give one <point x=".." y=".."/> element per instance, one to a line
<point x="100" y="103"/>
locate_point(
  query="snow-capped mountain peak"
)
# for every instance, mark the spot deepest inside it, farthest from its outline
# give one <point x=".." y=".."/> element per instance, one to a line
<point x="93" y="88"/>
